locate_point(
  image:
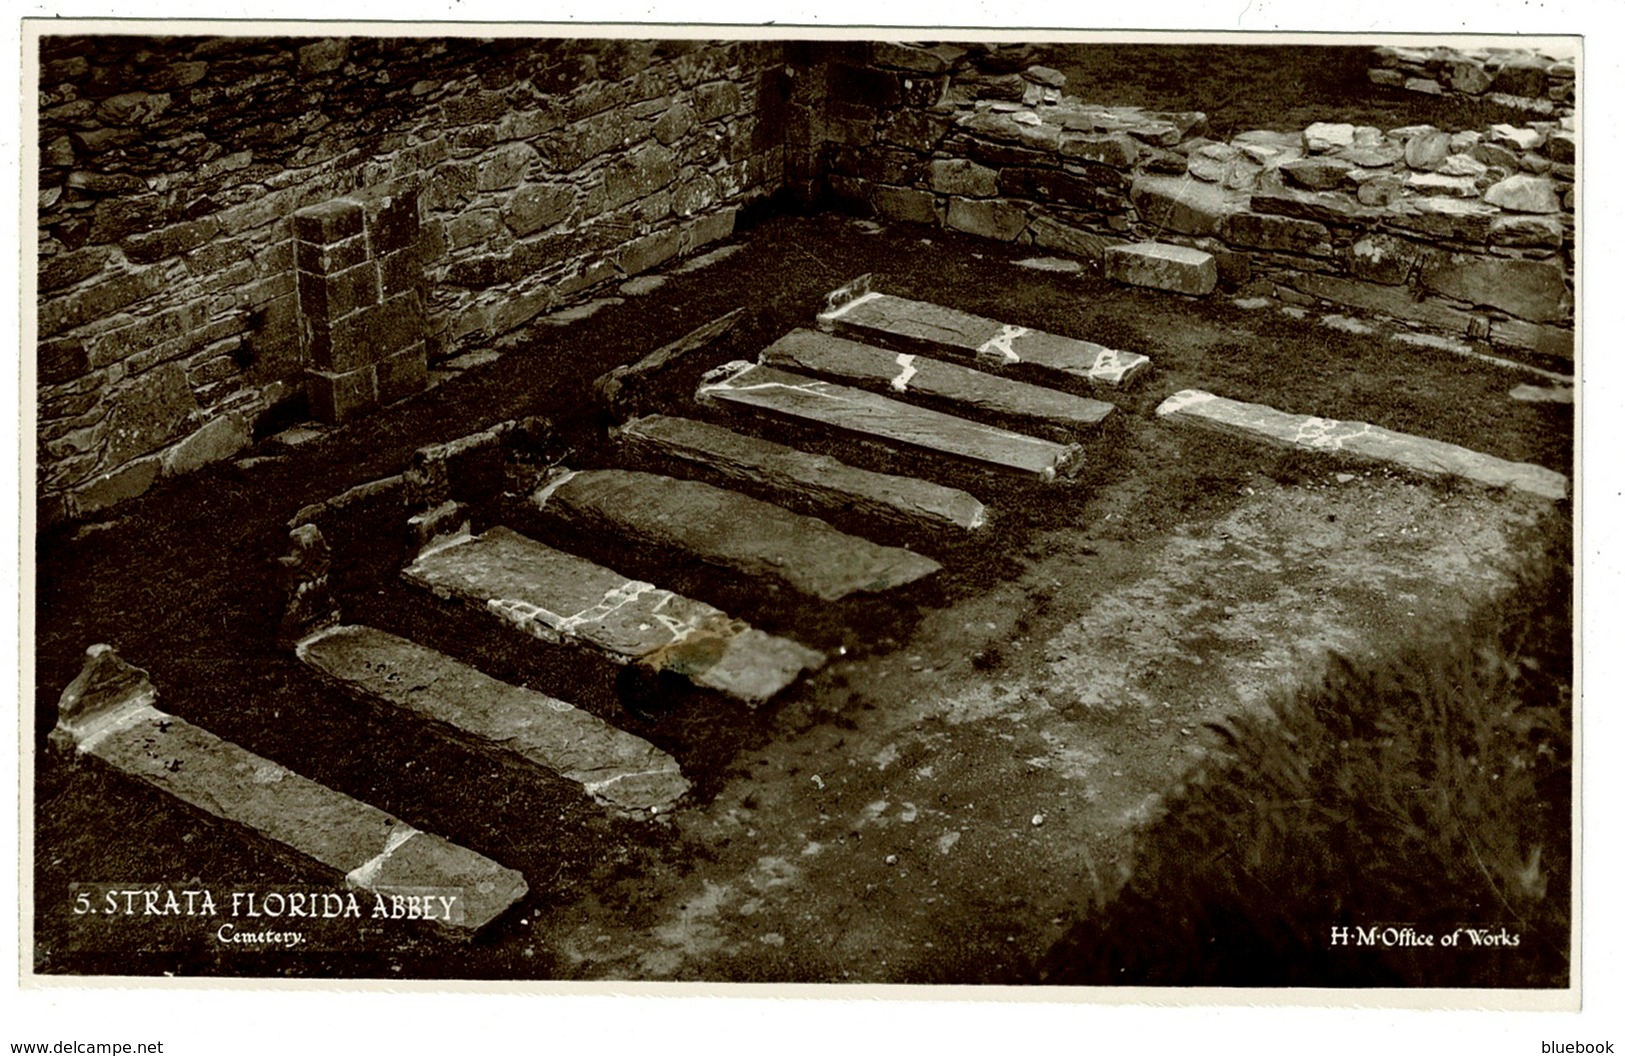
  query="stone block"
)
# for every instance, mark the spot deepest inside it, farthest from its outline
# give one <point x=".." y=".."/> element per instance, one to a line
<point x="905" y="204"/>
<point x="1182" y="204"/>
<point x="116" y="486"/>
<point x="61" y="359"/>
<point x="369" y="335"/>
<point x="1534" y="232"/>
<point x="1383" y="259"/>
<point x="1317" y="173"/>
<point x="1052" y="234"/>
<point x="1117" y="149"/>
<point x="218" y="439"/>
<point x="146" y="412"/>
<point x="403" y="374"/>
<point x="321" y="259"/>
<point x="399" y="272"/>
<point x="524" y="584"/>
<point x="1282" y="233"/>
<point x="1529" y="289"/>
<point x="1432" y="458"/>
<point x="1323" y="136"/>
<point x="1160" y="266"/>
<point x="1524" y="194"/>
<point x="1437" y="184"/>
<point x="986" y="218"/>
<point x="535" y="206"/>
<point x="1426" y="151"/>
<point x="325" y="299"/>
<point x="958" y="176"/>
<point x="328" y="222"/>
<point x="339" y="397"/>
<point x="1464" y="219"/>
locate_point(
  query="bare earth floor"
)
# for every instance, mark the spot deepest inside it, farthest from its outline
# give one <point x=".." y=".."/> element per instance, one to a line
<point x="940" y="802"/>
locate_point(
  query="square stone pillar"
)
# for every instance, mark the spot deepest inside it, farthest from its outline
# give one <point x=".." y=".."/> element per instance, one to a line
<point x="361" y="303"/>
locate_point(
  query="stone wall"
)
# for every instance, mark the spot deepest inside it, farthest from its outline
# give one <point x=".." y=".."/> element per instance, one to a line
<point x="1468" y="233"/>
<point x="1523" y="79"/>
<point x="169" y="321"/>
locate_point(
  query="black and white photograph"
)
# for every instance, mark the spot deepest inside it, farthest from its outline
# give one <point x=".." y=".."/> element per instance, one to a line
<point x="853" y="510"/>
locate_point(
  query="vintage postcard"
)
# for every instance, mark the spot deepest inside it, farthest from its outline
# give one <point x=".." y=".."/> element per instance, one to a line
<point x="870" y="512"/>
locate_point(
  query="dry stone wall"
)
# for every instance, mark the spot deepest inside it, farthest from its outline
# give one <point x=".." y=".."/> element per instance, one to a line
<point x="1520" y="78"/>
<point x="170" y="322"/>
<point x="1468" y="232"/>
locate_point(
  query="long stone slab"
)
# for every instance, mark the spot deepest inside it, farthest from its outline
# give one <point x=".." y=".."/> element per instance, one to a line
<point x="918" y="326"/>
<point x="730" y="530"/>
<point x="906" y="373"/>
<point x="374" y="851"/>
<point x="783" y="394"/>
<point x="787" y="473"/>
<point x="1432" y="458"/>
<point x="565" y="599"/>
<point x="621" y="772"/>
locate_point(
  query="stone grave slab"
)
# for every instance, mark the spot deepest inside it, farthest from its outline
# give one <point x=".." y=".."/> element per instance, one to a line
<point x="1432" y="458"/>
<point x="813" y="352"/>
<point x="118" y="723"/>
<point x="729" y="530"/>
<point x="918" y="326"/>
<point x="565" y="599"/>
<point x="783" y="394"/>
<point x="781" y="471"/>
<point x="620" y="771"/>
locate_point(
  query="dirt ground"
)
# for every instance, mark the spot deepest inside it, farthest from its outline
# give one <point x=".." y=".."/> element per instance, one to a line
<point x="938" y="804"/>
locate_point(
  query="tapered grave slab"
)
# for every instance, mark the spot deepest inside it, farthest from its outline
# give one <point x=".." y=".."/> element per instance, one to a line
<point x="788" y="474"/>
<point x="730" y="530"/>
<point x="908" y="373"/>
<point x="1433" y="458"/>
<point x="918" y="326"/>
<point x="783" y="394"/>
<point x="565" y="599"/>
<point x="620" y="771"/>
<point x="374" y="851"/>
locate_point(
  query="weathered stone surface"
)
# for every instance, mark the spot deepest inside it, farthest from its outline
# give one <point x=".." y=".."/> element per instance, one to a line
<point x="1317" y="174"/>
<point x="1376" y="156"/>
<point x="1325" y="207"/>
<point x="916" y="326"/>
<point x="536" y="206"/>
<point x="1394" y="301"/>
<point x="1052" y="234"/>
<point x="1323" y="136"/>
<point x="1182" y="204"/>
<point x="1117" y="149"/>
<point x="905" y="373"/>
<point x="1531" y="231"/>
<point x="1437" y="183"/>
<point x="1529" y="289"/>
<point x="1525" y="194"/>
<point x="907" y="205"/>
<point x="105" y="686"/>
<point x="624" y="773"/>
<point x="1427" y="151"/>
<point x="1519" y="139"/>
<point x="780" y="393"/>
<point x="1361" y="440"/>
<point x="793" y="477"/>
<point x="1384" y="259"/>
<point x="1466" y="220"/>
<point x="1283" y="233"/>
<point x="219" y="439"/>
<point x="1381" y="190"/>
<point x="960" y="176"/>
<point x="729" y="530"/>
<point x="564" y="599"/>
<point x="147" y="413"/>
<point x="1163" y="267"/>
<point x="373" y="851"/>
<point x="993" y="219"/>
